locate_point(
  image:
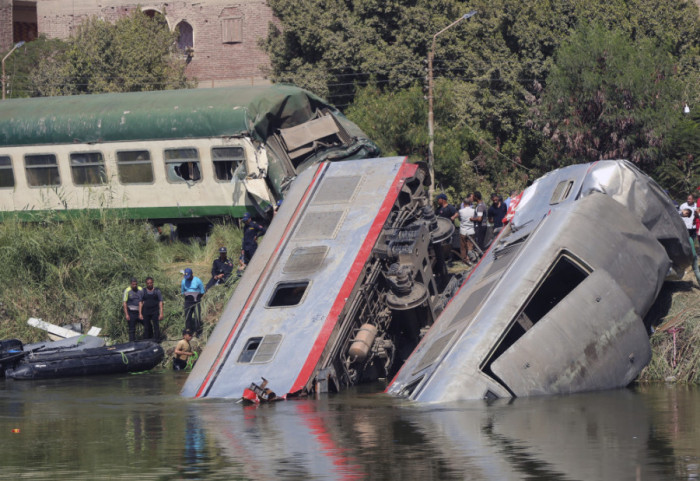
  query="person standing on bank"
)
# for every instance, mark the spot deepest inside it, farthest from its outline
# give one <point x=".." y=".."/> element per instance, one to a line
<point x="445" y="209"/>
<point x="497" y="212"/>
<point x="466" y="231"/>
<point x="193" y="289"/>
<point x="151" y="310"/>
<point x="251" y="231"/>
<point x="131" y="300"/>
<point x="479" y="220"/>
<point x="221" y="269"/>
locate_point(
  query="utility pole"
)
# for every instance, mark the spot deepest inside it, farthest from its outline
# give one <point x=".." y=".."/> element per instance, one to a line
<point x="431" y="132"/>
<point x="4" y="79"/>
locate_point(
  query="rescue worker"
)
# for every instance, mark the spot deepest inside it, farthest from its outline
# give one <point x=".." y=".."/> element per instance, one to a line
<point x="221" y="269"/>
<point x="251" y="231"/>
<point x="151" y="310"/>
<point x="183" y="350"/>
<point x="193" y="289"/>
<point x="131" y="300"/>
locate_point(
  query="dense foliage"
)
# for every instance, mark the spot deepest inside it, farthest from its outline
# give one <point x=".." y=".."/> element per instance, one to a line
<point x="521" y="88"/>
<point x="77" y="270"/>
<point x="133" y="54"/>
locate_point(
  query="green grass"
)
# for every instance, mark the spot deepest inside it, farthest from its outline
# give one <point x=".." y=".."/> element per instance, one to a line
<point x="77" y="270"/>
<point x="683" y="314"/>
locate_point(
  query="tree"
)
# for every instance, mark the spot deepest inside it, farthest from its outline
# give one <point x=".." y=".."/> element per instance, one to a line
<point x="23" y="78"/>
<point x="608" y="97"/>
<point x="492" y="68"/>
<point x="136" y="53"/>
<point x="680" y="171"/>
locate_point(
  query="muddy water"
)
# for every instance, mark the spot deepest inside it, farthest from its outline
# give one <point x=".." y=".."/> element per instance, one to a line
<point x="137" y="427"/>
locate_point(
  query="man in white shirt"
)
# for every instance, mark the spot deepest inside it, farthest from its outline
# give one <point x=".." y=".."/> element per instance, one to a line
<point x="466" y="230"/>
<point x="689" y="204"/>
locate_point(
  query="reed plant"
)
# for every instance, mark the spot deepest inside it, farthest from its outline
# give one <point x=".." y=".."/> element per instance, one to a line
<point x="676" y="360"/>
<point x="75" y="271"/>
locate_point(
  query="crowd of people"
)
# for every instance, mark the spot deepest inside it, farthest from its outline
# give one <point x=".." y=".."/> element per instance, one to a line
<point x="474" y="219"/>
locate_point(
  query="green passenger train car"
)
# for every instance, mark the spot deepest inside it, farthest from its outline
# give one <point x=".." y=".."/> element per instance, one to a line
<point x="167" y="156"/>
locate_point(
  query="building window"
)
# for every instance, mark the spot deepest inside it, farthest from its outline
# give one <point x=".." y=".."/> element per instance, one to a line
<point x="88" y="168"/>
<point x="182" y="165"/>
<point x="226" y="160"/>
<point x="7" y="177"/>
<point x="134" y="167"/>
<point x="232" y="30"/>
<point x="42" y="170"/>
<point x="185" y="37"/>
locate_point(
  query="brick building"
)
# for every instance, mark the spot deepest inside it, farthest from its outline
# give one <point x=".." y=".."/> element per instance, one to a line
<point x="219" y="39"/>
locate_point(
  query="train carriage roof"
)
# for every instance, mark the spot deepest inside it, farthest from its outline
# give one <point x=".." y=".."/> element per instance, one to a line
<point x="157" y="115"/>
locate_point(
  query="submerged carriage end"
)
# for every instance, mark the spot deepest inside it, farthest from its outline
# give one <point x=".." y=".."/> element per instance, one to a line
<point x="347" y="279"/>
<point x="557" y="304"/>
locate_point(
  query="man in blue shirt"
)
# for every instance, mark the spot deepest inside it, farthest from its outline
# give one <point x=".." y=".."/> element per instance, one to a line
<point x="193" y="289"/>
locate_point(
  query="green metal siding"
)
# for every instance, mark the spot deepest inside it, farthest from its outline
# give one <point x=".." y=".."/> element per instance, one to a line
<point x="166" y="114"/>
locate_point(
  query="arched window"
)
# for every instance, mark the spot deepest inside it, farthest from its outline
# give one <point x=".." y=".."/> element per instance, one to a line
<point x="155" y="14"/>
<point x="185" y="38"/>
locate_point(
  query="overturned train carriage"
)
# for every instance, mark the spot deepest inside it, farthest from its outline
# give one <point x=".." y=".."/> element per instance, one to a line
<point x="557" y="304"/>
<point x="347" y="279"/>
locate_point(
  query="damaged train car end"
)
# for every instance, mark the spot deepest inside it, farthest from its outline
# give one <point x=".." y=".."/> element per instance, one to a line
<point x="557" y="303"/>
<point x="345" y="283"/>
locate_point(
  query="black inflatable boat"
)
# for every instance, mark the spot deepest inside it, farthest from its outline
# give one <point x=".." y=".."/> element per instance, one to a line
<point x="128" y="357"/>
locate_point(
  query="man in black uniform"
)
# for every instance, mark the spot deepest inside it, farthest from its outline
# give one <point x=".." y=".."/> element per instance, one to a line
<point x="445" y="209"/>
<point x="251" y="232"/>
<point x="151" y="310"/>
<point x="221" y="269"/>
<point x="131" y="299"/>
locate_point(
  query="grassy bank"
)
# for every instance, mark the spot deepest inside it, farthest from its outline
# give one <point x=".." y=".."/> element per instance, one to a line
<point x="678" y="307"/>
<point x="76" y="271"/>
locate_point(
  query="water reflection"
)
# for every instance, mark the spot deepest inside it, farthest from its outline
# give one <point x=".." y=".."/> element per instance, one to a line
<point x="137" y="427"/>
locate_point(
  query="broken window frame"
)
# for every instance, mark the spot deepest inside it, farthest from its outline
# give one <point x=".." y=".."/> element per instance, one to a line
<point x="7" y="175"/>
<point x="175" y="162"/>
<point x="219" y="163"/>
<point x="275" y="303"/>
<point x="522" y="320"/>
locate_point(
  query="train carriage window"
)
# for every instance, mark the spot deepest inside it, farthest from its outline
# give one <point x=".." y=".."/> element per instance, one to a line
<point x="7" y="177"/>
<point x="226" y="161"/>
<point x="288" y="294"/>
<point x="134" y="167"/>
<point x="88" y="168"/>
<point x="182" y="165"/>
<point x="42" y="170"/>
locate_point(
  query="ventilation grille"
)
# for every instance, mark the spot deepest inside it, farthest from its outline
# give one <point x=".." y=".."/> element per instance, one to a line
<point x="504" y="258"/>
<point x="433" y="352"/>
<point x="268" y="348"/>
<point x="304" y="260"/>
<point x="561" y="192"/>
<point x="472" y="304"/>
<point x="338" y="190"/>
<point x="319" y="225"/>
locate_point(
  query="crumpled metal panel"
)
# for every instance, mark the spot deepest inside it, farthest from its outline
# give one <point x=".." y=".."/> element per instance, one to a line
<point x="607" y="217"/>
<point x="591" y="340"/>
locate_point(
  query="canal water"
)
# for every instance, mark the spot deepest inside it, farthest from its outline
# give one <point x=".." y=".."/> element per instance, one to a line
<point x="138" y="427"/>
